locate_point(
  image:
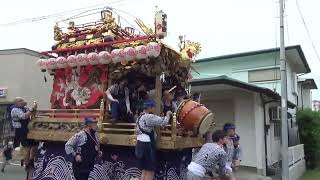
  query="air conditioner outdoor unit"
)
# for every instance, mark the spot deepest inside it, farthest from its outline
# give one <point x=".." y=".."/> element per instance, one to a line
<point x="3" y="92"/>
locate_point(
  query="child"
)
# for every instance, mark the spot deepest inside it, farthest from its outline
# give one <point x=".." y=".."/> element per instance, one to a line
<point x="7" y="154"/>
<point x="236" y="159"/>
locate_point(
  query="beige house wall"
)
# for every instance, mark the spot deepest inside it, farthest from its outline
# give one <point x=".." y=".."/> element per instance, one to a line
<point x="21" y="76"/>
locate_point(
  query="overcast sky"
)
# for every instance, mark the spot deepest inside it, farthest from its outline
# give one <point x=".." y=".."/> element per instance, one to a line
<point x="222" y="27"/>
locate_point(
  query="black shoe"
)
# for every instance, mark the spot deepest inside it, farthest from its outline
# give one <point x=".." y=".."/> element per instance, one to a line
<point x="21" y="162"/>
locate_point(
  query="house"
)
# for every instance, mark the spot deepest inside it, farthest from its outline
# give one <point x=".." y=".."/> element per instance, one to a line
<point x="316" y="105"/>
<point x="244" y="89"/>
<point x="20" y="77"/>
<point x="305" y="87"/>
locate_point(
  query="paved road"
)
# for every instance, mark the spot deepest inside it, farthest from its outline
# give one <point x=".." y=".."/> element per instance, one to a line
<point x="16" y="172"/>
<point x="13" y="172"/>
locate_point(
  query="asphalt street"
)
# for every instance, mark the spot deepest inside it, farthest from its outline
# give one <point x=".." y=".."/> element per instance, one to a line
<point x="13" y="172"/>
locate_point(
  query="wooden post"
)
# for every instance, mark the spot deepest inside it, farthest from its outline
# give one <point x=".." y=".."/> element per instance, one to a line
<point x="174" y="128"/>
<point x="105" y="98"/>
<point x="35" y="105"/>
<point x="158" y="95"/>
<point x="106" y="84"/>
<point x="102" y="115"/>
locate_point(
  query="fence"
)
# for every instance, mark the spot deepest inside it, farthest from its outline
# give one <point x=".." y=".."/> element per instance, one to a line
<point x="297" y="164"/>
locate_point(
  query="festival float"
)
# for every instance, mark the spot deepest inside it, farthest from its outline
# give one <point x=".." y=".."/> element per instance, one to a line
<point x="83" y="61"/>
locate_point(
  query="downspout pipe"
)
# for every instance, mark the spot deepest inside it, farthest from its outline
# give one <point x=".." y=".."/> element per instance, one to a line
<point x="301" y="93"/>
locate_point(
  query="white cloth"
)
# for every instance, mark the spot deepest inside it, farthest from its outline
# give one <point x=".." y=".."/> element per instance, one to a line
<point x="143" y="138"/>
<point x="147" y="122"/>
<point x="197" y="169"/>
<point x="18" y="115"/>
<point x="228" y="166"/>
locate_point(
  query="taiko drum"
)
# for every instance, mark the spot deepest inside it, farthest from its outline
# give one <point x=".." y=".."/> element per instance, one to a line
<point x="194" y="116"/>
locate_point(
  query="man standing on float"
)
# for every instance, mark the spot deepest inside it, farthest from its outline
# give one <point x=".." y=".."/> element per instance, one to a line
<point x="118" y="95"/>
<point x="167" y="103"/>
<point x="146" y="140"/>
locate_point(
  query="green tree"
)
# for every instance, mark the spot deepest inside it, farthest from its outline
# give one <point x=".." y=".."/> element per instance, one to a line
<point x="309" y="131"/>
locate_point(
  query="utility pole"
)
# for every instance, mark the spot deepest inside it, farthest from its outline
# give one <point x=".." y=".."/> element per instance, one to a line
<point x="284" y="99"/>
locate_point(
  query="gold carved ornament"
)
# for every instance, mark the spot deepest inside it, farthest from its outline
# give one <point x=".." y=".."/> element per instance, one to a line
<point x="108" y="24"/>
<point x="147" y="30"/>
<point x="57" y="33"/>
<point x="190" y="50"/>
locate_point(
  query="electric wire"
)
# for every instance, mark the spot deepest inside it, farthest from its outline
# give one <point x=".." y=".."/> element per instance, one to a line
<point x="79" y="14"/>
<point x="56" y="15"/>
<point x="127" y="22"/>
<point x="276" y="52"/>
<point x="308" y="32"/>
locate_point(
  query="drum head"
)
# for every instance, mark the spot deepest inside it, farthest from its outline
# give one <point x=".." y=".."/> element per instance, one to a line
<point x="206" y="123"/>
<point x="180" y="107"/>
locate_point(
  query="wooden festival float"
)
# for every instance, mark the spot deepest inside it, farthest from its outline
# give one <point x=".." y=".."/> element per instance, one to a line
<point x="82" y="62"/>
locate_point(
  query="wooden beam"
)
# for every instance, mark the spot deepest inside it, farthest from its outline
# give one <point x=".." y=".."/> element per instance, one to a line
<point x="164" y="142"/>
<point x="119" y="129"/>
<point x="158" y="96"/>
<point x="101" y="118"/>
<point x="98" y="45"/>
<point x="174" y="127"/>
<point x="120" y="124"/>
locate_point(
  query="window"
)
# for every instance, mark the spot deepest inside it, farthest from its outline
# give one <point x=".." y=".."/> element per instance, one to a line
<point x="271" y="74"/>
<point x="277" y="128"/>
<point x="275" y="113"/>
<point x="275" y="118"/>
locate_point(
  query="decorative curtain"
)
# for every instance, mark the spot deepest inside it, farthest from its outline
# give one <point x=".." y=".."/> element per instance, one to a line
<point x="79" y="88"/>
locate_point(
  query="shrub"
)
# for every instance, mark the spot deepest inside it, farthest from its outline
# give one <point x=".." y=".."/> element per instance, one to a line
<point x="309" y="132"/>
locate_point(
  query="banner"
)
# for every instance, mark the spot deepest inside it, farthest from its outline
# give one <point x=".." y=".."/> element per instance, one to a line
<point x="79" y="88"/>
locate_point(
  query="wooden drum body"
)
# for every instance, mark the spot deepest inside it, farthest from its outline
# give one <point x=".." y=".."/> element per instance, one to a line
<point x="194" y="116"/>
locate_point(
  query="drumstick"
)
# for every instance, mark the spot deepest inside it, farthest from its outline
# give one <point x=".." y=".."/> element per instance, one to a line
<point x="172" y="88"/>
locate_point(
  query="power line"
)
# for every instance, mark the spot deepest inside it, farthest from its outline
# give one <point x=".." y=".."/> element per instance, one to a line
<point x="46" y="16"/>
<point x="286" y="21"/>
<point x="78" y="15"/>
<point x="127" y="21"/>
<point x="55" y="15"/>
<point x="125" y="12"/>
<point x="309" y="35"/>
<point x="275" y="84"/>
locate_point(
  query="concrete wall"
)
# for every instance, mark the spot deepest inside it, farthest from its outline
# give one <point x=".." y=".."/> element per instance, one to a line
<point x="236" y="107"/>
<point x="296" y="171"/>
<point x="245" y="123"/>
<point x="234" y="65"/>
<point x="238" y="68"/>
<point x="259" y="133"/>
<point x="21" y="76"/>
<point x="223" y="111"/>
<point x="307" y="98"/>
<point x="304" y="97"/>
